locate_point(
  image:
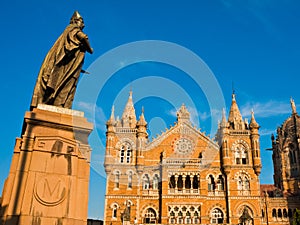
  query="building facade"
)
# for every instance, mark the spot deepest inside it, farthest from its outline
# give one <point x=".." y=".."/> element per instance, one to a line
<point x="185" y="177"/>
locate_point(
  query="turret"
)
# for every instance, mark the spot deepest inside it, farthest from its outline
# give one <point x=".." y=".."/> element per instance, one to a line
<point x="142" y="137"/>
<point x="254" y="126"/>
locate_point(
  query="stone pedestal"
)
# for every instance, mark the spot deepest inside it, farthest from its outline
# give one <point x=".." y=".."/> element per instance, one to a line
<point x="49" y="175"/>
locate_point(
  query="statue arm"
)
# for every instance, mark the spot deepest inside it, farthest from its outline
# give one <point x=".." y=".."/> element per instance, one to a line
<point x="85" y="40"/>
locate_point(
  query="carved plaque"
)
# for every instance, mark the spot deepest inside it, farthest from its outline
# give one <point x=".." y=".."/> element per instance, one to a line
<point x="50" y="190"/>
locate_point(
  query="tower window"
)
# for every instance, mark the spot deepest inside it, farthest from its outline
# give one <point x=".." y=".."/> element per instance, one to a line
<point x="241" y="155"/>
<point x="146" y="182"/>
<point x="114" y="211"/>
<point x="125" y="153"/>
<point x="117" y="179"/>
<point x="211" y="183"/>
<point x="155" y="181"/>
<point x="130" y="179"/>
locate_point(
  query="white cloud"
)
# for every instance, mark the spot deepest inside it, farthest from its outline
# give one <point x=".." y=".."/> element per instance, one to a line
<point x="267" y="109"/>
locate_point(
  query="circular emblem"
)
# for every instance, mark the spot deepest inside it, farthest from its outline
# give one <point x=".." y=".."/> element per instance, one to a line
<point x="183" y="146"/>
<point x="50" y="190"/>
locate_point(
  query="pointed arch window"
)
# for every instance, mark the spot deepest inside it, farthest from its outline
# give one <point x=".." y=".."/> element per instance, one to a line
<point x="217" y="216"/>
<point x="146" y="182"/>
<point x="211" y="183"/>
<point x="243" y="183"/>
<point x="195" y="182"/>
<point x="220" y="183"/>
<point x="150" y="216"/>
<point x="114" y="211"/>
<point x="172" y="182"/>
<point x="126" y="153"/>
<point x="155" y="181"/>
<point x="241" y="155"/>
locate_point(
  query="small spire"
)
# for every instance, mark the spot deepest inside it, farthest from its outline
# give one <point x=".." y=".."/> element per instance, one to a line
<point x="112" y="115"/>
<point x="253" y="123"/>
<point x="223" y="121"/>
<point x="294" y="111"/>
<point x="111" y="120"/>
<point x="129" y="117"/>
<point x="234" y="113"/>
<point x="142" y="121"/>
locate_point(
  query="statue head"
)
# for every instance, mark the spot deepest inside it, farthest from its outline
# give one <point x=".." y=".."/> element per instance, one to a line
<point x="77" y="19"/>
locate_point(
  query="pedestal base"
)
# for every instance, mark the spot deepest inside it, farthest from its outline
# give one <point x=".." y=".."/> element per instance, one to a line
<point x="49" y="175"/>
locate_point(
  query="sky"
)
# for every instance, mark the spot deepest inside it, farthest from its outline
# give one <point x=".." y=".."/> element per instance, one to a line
<point x="168" y="53"/>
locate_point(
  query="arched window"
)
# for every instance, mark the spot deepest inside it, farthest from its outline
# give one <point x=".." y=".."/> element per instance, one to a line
<point x="172" y="183"/>
<point x="285" y="214"/>
<point x="146" y="182"/>
<point x="246" y="184"/>
<point x="211" y="183"/>
<point x="240" y="183"/>
<point x="114" y="211"/>
<point x="130" y="179"/>
<point x="290" y="213"/>
<point x="188" y="182"/>
<point x="243" y="183"/>
<point x="241" y="155"/>
<point x="217" y="216"/>
<point x="220" y="183"/>
<point x="180" y="182"/>
<point x="195" y="182"/>
<point x="125" y="153"/>
<point x="274" y="214"/>
<point x="150" y="216"/>
<point x="117" y="179"/>
<point x="155" y="181"/>
<point x="279" y="213"/>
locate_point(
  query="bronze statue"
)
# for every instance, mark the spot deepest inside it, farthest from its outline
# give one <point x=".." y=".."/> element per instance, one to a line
<point x="59" y="73"/>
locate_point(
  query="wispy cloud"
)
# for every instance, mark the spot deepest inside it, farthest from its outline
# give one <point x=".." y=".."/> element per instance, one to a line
<point x="85" y="106"/>
<point x="101" y="119"/>
<point x="267" y="109"/>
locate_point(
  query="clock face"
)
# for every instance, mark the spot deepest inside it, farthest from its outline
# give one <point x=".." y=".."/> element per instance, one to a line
<point x="183" y="146"/>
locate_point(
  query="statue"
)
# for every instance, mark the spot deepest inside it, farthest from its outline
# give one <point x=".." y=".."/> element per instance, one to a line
<point x="60" y="71"/>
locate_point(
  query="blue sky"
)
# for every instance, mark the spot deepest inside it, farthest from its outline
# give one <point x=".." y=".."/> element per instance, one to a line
<point x="252" y="44"/>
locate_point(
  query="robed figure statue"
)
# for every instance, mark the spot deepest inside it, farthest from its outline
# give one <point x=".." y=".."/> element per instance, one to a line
<point x="59" y="73"/>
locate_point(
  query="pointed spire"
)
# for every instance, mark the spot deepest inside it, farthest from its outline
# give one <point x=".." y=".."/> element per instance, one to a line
<point x="129" y="117"/>
<point x="112" y="120"/>
<point x="223" y="121"/>
<point x="142" y="121"/>
<point x="234" y="113"/>
<point x="253" y="123"/>
<point x="294" y="111"/>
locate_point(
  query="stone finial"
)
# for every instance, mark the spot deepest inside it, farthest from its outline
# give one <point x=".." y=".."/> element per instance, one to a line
<point x="183" y="114"/>
<point x="294" y="111"/>
<point x="142" y="121"/>
<point x="253" y="123"/>
<point x="111" y="120"/>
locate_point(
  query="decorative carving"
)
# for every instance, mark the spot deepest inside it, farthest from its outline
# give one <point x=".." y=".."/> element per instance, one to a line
<point x="50" y="190"/>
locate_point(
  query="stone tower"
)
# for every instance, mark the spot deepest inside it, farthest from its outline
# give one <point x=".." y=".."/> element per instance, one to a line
<point x="286" y="154"/>
<point x="240" y="162"/>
